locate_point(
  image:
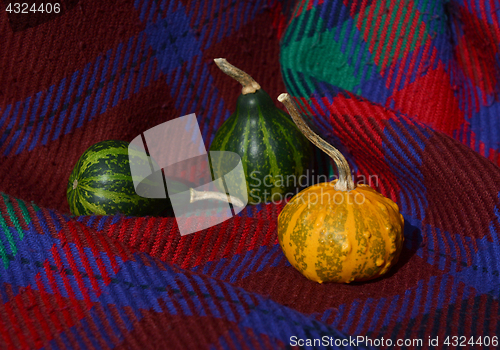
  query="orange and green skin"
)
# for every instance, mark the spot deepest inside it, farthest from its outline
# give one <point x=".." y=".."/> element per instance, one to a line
<point x="270" y="145"/>
<point x="345" y="242"/>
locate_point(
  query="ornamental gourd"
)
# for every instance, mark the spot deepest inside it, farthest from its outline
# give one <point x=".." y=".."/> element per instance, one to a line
<point x="274" y="152"/>
<point x="337" y="231"/>
<point x="101" y="184"/>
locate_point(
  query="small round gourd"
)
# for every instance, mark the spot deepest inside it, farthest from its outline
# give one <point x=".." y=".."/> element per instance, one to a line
<point x="101" y="184"/>
<point x="337" y="231"/>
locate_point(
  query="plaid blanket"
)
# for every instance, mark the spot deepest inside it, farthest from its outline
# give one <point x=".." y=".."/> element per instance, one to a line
<point x="407" y="90"/>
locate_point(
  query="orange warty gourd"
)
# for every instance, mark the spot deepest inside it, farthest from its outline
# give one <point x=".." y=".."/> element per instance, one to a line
<point x="337" y="231"/>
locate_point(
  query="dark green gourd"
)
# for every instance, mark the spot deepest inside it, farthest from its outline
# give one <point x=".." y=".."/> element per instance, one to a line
<point x="274" y="152"/>
<point x="101" y="184"/>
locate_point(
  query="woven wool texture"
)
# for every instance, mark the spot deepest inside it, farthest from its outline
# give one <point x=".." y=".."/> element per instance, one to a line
<point x="407" y="90"/>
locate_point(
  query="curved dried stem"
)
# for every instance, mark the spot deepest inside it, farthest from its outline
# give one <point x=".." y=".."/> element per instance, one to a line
<point x="248" y="83"/>
<point x="345" y="182"/>
<point x="201" y="195"/>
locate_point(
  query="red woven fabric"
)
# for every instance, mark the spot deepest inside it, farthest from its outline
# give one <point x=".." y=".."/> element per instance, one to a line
<point x="424" y="120"/>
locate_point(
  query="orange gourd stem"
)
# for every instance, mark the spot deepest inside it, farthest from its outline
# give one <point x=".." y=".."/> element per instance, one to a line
<point x="345" y="182"/>
<point x="248" y="83"/>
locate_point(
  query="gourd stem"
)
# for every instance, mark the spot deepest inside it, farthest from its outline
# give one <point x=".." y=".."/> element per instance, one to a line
<point x="345" y="182"/>
<point x="248" y="83"/>
<point x="200" y="195"/>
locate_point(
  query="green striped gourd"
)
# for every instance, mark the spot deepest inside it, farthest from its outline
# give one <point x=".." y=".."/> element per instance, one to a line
<point x="101" y="184"/>
<point x="274" y="152"/>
